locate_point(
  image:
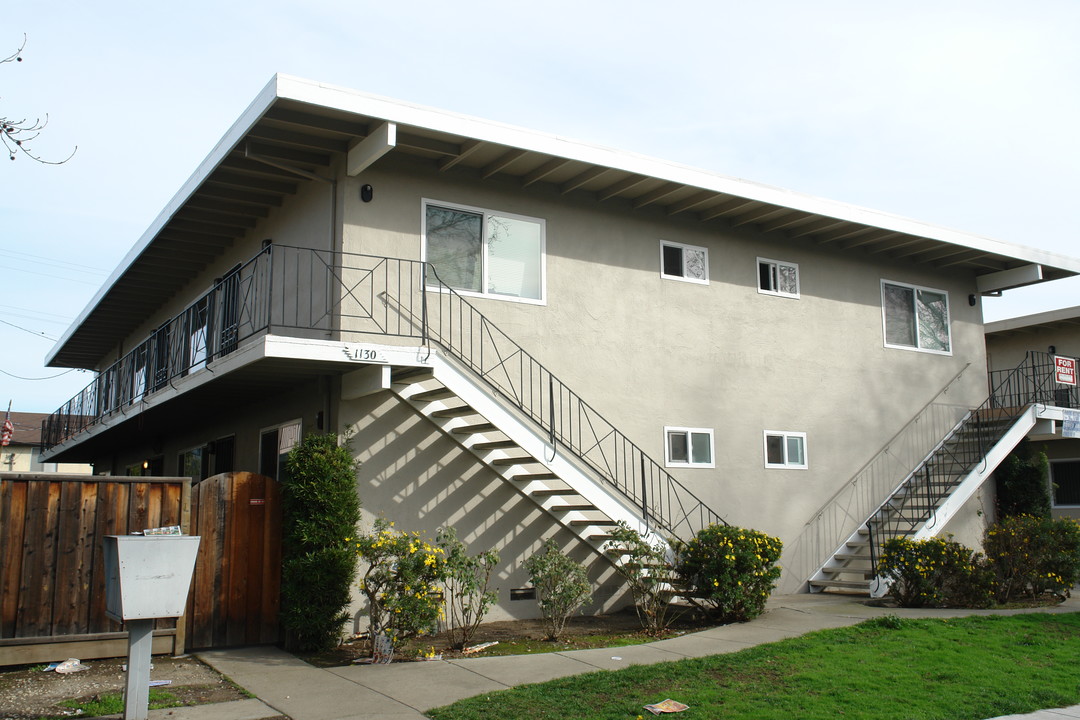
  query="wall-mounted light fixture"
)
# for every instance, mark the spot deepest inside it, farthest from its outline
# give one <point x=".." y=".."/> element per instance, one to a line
<point x="972" y="299"/>
<point x="1052" y="349"/>
<point x="366" y="192"/>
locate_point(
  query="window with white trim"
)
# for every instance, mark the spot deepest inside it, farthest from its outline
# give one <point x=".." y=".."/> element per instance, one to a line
<point x="689" y="263"/>
<point x="483" y="252"/>
<point x="915" y="318"/>
<point x="785" y="449"/>
<point x="275" y="443"/>
<point x="778" y="278"/>
<point x="688" y="447"/>
<point x="1065" y="483"/>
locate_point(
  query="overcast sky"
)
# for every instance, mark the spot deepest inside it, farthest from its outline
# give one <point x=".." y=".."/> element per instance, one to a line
<point x="961" y="114"/>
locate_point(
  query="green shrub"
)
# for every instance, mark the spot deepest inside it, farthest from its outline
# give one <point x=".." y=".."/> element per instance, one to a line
<point x="728" y="572"/>
<point x="561" y="586"/>
<point x="935" y="572"/>
<point x="1022" y="483"/>
<point x="1032" y="556"/>
<point x="648" y="572"/>
<point x="320" y="510"/>
<point x="402" y="582"/>
<point x="466" y="580"/>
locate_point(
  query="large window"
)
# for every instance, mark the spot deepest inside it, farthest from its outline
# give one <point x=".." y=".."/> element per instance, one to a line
<point x="689" y="263"/>
<point x="785" y="449"/>
<point x="688" y="447"/>
<point x="1065" y="479"/>
<point x="916" y="318"/>
<point x="778" y="278"/>
<point x="484" y="252"/>
<point x="274" y="446"/>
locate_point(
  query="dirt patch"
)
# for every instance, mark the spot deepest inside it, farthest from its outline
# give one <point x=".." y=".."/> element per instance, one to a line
<point x="521" y="636"/>
<point x="31" y="692"/>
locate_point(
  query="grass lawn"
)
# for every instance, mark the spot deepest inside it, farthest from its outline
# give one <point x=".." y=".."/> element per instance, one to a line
<point x="888" y="668"/>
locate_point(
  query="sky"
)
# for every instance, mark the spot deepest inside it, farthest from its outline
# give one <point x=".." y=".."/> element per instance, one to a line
<point x="959" y="114"/>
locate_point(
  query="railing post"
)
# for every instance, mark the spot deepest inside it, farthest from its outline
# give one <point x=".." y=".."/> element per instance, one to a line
<point x="423" y="304"/>
<point x="551" y="412"/>
<point x="644" y="494"/>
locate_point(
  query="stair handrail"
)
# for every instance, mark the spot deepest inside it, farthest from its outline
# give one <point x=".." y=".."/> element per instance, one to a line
<point x="888" y="520"/>
<point x="825" y="531"/>
<point x="568" y="420"/>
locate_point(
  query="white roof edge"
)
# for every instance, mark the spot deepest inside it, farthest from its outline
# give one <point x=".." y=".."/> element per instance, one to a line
<point x="245" y="122"/>
<point x="1040" y="318"/>
<point x="344" y="99"/>
<point x="431" y="118"/>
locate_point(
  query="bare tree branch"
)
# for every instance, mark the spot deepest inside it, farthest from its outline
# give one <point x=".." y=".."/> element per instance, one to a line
<point x="16" y="134"/>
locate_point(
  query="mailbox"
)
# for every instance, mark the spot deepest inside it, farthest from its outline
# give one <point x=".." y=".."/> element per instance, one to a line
<point x="148" y="576"/>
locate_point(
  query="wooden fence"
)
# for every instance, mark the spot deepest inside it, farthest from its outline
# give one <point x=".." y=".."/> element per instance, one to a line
<point x="52" y="584"/>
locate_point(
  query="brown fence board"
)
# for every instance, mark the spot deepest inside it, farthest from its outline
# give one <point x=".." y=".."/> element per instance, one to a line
<point x="52" y="585"/>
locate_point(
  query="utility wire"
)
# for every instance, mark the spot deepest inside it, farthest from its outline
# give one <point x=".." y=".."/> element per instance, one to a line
<point x="32" y="332"/>
<point x="50" y="377"/>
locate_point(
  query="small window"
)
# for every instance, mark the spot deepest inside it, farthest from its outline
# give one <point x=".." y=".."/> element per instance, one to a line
<point x="487" y="253"/>
<point x="193" y="463"/>
<point x="684" y="262"/>
<point x="1065" y="479"/>
<point x="915" y="318"/>
<point x="688" y="447"/>
<point x="778" y="278"/>
<point x="274" y="446"/>
<point x="785" y="449"/>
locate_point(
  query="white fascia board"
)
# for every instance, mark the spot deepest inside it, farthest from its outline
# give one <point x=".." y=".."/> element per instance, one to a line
<point x="1008" y="279"/>
<point x="1030" y="321"/>
<point x="486" y="130"/>
<point x="239" y="129"/>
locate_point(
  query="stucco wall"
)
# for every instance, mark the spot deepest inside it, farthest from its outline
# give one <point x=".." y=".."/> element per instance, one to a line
<point x="649" y="352"/>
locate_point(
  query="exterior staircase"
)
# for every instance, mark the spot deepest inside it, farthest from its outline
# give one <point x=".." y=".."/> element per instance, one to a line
<point x="923" y="503"/>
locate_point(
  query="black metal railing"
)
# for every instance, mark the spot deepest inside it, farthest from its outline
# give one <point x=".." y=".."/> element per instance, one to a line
<point x="323" y="294"/>
<point x="1011" y="393"/>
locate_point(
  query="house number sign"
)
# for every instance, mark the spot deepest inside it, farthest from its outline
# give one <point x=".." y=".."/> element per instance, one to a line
<point x="360" y="353"/>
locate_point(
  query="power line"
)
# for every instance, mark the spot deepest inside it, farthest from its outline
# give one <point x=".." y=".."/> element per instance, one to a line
<point x="41" y="260"/>
<point x="38" y="334"/>
<point x="50" y="377"/>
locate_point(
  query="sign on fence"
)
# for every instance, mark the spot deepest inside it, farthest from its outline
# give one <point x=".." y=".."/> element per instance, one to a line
<point x="1065" y="370"/>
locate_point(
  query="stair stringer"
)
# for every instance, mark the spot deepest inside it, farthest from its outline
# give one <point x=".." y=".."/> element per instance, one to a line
<point x="557" y="460"/>
<point x="967" y="486"/>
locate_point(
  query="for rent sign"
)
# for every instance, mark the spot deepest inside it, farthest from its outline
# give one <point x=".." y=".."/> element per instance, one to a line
<point x="1065" y="370"/>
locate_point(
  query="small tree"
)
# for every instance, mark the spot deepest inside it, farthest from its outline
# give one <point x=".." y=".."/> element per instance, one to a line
<point x="320" y="510"/>
<point x="466" y="580"/>
<point x="1022" y="483"/>
<point x="728" y="572"/>
<point x="561" y="586"/>
<point x="649" y="574"/>
<point x="402" y="582"/>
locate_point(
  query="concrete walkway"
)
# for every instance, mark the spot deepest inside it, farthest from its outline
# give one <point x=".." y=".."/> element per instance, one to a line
<point x="285" y="685"/>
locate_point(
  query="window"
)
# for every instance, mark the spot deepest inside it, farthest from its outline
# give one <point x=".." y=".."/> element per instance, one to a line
<point x="688" y="447"/>
<point x="274" y="446"/>
<point x="916" y="318"/>
<point x="785" y="449"/>
<point x="1065" y="479"/>
<point x="684" y="262"/>
<point x="486" y="253"/>
<point x="778" y="278"/>
<point x="193" y="464"/>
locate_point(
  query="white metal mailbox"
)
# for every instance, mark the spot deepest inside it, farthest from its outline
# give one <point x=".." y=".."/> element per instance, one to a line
<point x="148" y="576"/>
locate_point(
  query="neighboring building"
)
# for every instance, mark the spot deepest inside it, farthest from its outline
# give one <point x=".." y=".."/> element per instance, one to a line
<point x="530" y="337"/>
<point x="1035" y="341"/>
<point x="23" y="453"/>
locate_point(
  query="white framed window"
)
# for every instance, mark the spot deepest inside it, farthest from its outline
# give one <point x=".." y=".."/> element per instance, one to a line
<point x="688" y="447"/>
<point x="477" y="251"/>
<point x="776" y="277"/>
<point x="275" y="443"/>
<point x="688" y="263"/>
<point x="1065" y="483"/>
<point x="784" y="449"/>
<point x="915" y="318"/>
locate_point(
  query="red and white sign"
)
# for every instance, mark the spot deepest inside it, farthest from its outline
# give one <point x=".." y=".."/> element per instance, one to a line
<point x="5" y="436"/>
<point x="1065" y="370"/>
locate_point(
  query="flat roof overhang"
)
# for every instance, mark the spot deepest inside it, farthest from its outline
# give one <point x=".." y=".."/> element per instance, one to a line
<point x="296" y="129"/>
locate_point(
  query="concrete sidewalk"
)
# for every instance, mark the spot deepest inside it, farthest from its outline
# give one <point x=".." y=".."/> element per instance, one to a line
<point x="288" y="686"/>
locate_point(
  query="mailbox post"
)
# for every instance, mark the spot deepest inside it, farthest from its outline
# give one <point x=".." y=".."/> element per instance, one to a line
<point x="147" y="577"/>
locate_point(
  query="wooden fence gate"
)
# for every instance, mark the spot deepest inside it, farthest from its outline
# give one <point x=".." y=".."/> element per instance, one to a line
<point x="235" y="591"/>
